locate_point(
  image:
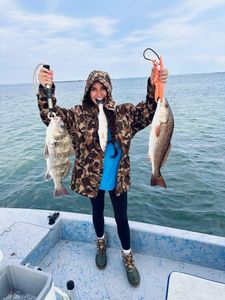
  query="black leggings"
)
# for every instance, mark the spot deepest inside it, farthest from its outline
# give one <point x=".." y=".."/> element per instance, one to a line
<point x="120" y="213"/>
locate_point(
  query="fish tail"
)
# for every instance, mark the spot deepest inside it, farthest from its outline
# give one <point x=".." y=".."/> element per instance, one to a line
<point x="60" y="192"/>
<point x="158" y="180"/>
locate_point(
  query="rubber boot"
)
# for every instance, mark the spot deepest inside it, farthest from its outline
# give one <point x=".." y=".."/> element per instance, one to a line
<point x="101" y="258"/>
<point x="133" y="275"/>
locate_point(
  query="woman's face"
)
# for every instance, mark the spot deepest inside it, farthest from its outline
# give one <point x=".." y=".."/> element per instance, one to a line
<point x="97" y="92"/>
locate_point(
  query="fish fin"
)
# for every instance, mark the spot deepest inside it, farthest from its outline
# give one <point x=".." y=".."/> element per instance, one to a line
<point x="166" y="155"/>
<point x="158" y="180"/>
<point x="157" y="130"/>
<point x="48" y="176"/>
<point x="46" y="152"/>
<point x="60" y="192"/>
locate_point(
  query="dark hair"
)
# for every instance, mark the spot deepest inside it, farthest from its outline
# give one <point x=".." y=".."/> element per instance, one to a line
<point x="111" y="117"/>
<point x="87" y="103"/>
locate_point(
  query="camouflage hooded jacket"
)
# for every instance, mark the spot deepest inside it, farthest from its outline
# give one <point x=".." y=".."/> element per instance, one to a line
<point x="82" y="124"/>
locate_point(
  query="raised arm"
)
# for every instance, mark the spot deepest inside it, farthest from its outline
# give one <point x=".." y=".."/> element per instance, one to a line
<point x="68" y="116"/>
<point x="141" y="115"/>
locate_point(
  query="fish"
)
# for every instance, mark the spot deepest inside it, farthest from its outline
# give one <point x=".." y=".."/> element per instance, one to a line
<point x="58" y="148"/>
<point x="102" y="126"/>
<point x="160" y="140"/>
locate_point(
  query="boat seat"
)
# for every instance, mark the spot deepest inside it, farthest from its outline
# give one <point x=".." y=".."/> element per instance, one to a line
<point x="188" y="287"/>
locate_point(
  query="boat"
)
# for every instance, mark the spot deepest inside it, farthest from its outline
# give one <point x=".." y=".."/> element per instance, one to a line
<point x="174" y="264"/>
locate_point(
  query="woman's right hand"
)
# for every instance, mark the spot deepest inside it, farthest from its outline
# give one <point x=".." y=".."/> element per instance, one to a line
<point x="45" y="76"/>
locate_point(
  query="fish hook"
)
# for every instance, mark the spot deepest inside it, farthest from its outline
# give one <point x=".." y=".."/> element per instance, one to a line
<point x="145" y="57"/>
<point x="157" y="66"/>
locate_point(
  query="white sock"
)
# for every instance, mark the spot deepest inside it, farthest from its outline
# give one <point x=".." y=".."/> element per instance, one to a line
<point x="126" y="252"/>
<point x="100" y="238"/>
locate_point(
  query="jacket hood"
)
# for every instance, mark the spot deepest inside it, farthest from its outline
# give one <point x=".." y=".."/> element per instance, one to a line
<point x="102" y="77"/>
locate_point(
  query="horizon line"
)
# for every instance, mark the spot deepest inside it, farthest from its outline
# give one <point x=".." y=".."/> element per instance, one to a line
<point x="119" y="78"/>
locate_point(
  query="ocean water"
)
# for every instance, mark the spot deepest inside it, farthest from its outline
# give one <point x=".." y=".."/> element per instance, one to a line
<point x="194" y="171"/>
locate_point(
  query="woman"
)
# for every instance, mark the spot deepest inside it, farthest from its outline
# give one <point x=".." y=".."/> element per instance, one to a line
<point x="96" y="171"/>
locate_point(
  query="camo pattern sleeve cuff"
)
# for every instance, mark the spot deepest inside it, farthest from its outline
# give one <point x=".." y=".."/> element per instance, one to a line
<point x="150" y="96"/>
<point x="43" y="103"/>
<point x="42" y="92"/>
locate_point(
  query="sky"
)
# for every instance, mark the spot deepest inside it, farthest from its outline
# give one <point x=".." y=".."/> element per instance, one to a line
<point x="76" y="37"/>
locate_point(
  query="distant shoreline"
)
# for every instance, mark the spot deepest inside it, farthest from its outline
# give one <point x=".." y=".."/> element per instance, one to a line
<point x="83" y="80"/>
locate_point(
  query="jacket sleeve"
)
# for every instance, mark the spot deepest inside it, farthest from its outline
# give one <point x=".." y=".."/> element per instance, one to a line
<point x="141" y="115"/>
<point x="68" y="116"/>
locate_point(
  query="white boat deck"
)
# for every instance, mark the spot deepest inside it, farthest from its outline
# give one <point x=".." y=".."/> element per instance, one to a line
<point x="72" y="260"/>
<point x="67" y="250"/>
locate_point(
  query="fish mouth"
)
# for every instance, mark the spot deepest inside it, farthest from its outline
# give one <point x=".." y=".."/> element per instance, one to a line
<point x="100" y="100"/>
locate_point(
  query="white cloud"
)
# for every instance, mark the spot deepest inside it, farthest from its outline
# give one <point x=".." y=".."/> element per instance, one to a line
<point x="193" y="8"/>
<point x="75" y="45"/>
<point x="29" y="38"/>
<point x="48" y="22"/>
<point x="102" y="25"/>
<point x="180" y="29"/>
<point x="188" y="9"/>
<point x="219" y="59"/>
<point x="53" y="23"/>
<point x="188" y="41"/>
<point x="204" y="58"/>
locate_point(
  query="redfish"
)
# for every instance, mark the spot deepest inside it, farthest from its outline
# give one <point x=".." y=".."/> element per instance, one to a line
<point x="159" y="142"/>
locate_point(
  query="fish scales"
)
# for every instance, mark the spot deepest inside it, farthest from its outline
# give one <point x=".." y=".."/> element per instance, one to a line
<point x="103" y="126"/>
<point x="159" y="142"/>
<point x="58" y="148"/>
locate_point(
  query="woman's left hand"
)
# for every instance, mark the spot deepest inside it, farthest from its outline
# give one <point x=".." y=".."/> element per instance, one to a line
<point x="163" y="75"/>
